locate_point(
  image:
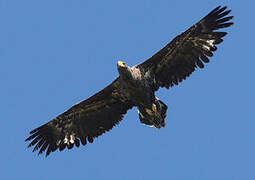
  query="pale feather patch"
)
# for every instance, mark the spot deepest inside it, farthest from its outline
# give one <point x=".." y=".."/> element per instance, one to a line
<point x="211" y="42"/>
<point x="72" y="137"/>
<point x="140" y="113"/>
<point x="58" y="143"/>
<point x="206" y="47"/>
<point x="65" y="140"/>
<point x="152" y="126"/>
<point x="68" y="139"/>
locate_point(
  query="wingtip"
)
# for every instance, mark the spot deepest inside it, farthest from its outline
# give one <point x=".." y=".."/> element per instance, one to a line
<point x="33" y="131"/>
<point x="223" y="8"/>
<point x="216" y="11"/>
<point x="217" y="8"/>
<point x="47" y="154"/>
<point x="28" y="139"/>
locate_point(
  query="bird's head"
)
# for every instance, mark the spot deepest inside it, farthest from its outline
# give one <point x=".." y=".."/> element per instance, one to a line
<point x="122" y="65"/>
<point x="123" y="69"/>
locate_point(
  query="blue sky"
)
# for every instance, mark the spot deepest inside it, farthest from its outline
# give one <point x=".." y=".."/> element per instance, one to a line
<point x="56" y="53"/>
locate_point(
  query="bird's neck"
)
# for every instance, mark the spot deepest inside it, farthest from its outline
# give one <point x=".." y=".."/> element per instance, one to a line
<point x="125" y="73"/>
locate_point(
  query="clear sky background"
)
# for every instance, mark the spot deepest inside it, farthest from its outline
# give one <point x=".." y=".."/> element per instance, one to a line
<point x="54" y="54"/>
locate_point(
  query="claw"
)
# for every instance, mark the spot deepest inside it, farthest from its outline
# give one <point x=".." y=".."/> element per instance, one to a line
<point x="154" y="107"/>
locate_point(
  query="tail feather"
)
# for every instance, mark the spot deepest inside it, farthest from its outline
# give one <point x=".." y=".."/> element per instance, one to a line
<point x="155" y="116"/>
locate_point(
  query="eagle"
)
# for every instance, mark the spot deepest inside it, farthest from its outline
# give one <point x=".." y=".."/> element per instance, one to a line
<point x="135" y="86"/>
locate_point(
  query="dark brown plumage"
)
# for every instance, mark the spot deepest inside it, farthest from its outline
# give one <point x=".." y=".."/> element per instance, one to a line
<point x="135" y="87"/>
<point x="87" y="119"/>
<point x="178" y="59"/>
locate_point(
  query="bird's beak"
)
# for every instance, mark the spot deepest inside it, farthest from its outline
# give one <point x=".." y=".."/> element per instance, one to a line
<point x="121" y="64"/>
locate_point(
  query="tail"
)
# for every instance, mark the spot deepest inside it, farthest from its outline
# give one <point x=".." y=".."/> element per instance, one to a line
<point x="154" y="116"/>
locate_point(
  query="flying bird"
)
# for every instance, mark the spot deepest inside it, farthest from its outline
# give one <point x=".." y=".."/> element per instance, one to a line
<point x="135" y="86"/>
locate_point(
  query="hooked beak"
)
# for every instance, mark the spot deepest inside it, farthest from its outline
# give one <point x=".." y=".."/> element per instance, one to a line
<point x="121" y="64"/>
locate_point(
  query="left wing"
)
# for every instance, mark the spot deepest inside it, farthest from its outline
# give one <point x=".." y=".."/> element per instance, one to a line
<point x="84" y="121"/>
<point x="189" y="50"/>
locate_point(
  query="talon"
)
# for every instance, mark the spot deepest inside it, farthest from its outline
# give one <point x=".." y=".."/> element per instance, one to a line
<point x="154" y="107"/>
<point x="149" y="111"/>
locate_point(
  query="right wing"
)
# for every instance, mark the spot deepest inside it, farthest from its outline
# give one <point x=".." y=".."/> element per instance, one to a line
<point x="84" y="121"/>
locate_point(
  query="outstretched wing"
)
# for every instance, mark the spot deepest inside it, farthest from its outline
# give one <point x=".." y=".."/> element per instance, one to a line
<point x="84" y="121"/>
<point x="189" y="50"/>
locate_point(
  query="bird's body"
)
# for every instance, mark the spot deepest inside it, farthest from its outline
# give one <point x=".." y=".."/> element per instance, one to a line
<point x="135" y="87"/>
<point x="140" y="87"/>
